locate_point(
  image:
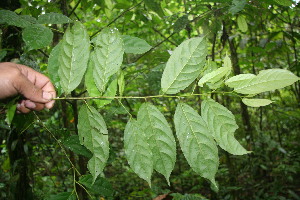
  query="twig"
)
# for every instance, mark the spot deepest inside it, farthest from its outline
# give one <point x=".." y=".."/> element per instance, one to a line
<point x="74" y="8"/>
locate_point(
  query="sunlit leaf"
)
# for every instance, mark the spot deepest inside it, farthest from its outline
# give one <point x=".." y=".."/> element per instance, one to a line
<point x="93" y="135"/>
<point x="196" y="142"/>
<point x="53" y="18"/>
<point x="73" y="57"/>
<point x="135" y="45"/>
<point x="184" y="65"/>
<point x="37" y="36"/>
<point x="108" y="56"/>
<point x="160" y="138"/>
<point x="266" y="80"/>
<point x="138" y="151"/>
<point x="222" y="125"/>
<point x="242" y="23"/>
<point x="256" y="102"/>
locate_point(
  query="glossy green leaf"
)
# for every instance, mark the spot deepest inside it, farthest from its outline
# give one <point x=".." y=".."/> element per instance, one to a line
<point x="108" y="56"/>
<point x="256" y="102"/>
<point x="11" y="18"/>
<point x="196" y="142"/>
<point x="284" y="2"/>
<point x="73" y="57"/>
<point x="93" y="135"/>
<point x="63" y="196"/>
<point x="100" y="187"/>
<point x="236" y="80"/>
<point x="72" y="143"/>
<point x="184" y="65"/>
<point x="37" y="36"/>
<point x="138" y="151"/>
<point x="160" y="138"/>
<point x="181" y="23"/>
<point x="242" y="23"/>
<point x="222" y="125"/>
<point x="237" y="6"/>
<point x="266" y="80"/>
<point x="155" y="6"/>
<point x="135" y="45"/>
<point x="53" y="18"/>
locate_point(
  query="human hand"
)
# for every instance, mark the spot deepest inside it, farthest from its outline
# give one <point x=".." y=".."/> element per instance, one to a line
<point x="36" y="88"/>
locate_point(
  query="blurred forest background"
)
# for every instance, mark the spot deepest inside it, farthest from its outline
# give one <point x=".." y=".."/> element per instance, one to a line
<point x="34" y="164"/>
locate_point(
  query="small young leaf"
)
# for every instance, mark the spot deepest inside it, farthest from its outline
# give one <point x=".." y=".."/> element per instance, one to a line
<point x="37" y="36"/>
<point x="135" y="45"/>
<point x="222" y="125"/>
<point x="93" y="135"/>
<point x="53" y="18"/>
<point x="256" y="102"/>
<point x="196" y="142"/>
<point x="155" y="6"/>
<point x="266" y="80"/>
<point x="236" y="80"/>
<point x="160" y="138"/>
<point x="138" y="151"/>
<point x="242" y="23"/>
<point x="11" y="18"/>
<point x="181" y="23"/>
<point x="108" y="56"/>
<point x="184" y="65"/>
<point x="73" y="57"/>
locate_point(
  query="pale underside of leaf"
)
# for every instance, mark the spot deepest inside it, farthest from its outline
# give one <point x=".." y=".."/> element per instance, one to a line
<point x="266" y="80"/>
<point x="214" y="76"/>
<point x="222" y="124"/>
<point x="160" y="138"/>
<point x="184" y="65"/>
<point x="235" y="80"/>
<point x="138" y="151"/>
<point x="196" y="142"/>
<point x="108" y="56"/>
<point x="135" y="45"/>
<point x="93" y="135"/>
<point x="256" y="102"/>
<point x="74" y="57"/>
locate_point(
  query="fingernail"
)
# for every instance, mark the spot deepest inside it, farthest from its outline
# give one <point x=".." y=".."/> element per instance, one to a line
<point x="30" y="105"/>
<point x="47" y="95"/>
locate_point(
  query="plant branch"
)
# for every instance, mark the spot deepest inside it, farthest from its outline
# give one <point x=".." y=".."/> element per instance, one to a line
<point x="74" y="8"/>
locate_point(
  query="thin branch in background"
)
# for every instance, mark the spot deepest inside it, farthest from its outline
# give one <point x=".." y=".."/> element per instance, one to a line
<point x="157" y="31"/>
<point x="44" y="53"/>
<point x="119" y="16"/>
<point x="73" y="10"/>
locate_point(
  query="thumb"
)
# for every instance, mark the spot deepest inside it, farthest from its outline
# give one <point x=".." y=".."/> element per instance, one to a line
<point x="30" y="91"/>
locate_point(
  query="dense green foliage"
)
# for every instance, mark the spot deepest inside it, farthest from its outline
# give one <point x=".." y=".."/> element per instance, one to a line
<point x="206" y="93"/>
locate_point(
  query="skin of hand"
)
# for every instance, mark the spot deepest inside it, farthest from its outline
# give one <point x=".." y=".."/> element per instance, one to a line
<point x="36" y="88"/>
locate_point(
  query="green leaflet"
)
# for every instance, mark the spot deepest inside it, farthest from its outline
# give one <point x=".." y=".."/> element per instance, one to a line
<point x="92" y="133"/>
<point x="72" y="143"/>
<point x="89" y="80"/>
<point x="160" y="138"/>
<point x="222" y="125"/>
<point x="73" y="57"/>
<point x="237" y="6"/>
<point x="11" y="18"/>
<point x="111" y="91"/>
<point x="236" y="80"/>
<point x="101" y="186"/>
<point x="215" y="77"/>
<point x="155" y="6"/>
<point x="256" y="102"/>
<point x="121" y="83"/>
<point x="138" y="151"/>
<point x="184" y="65"/>
<point x="37" y="36"/>
<point x="242" y="23"/>
<point x="181" y="23"/>
<point x="53" y="66"/>
<point x="108" y="56"/>
<point x="266" y="80"/>
<point x="284" y="2"/>
<point x="135" y="45"/>
<point x="196" y="142"/>
<point x="53" y="18"/>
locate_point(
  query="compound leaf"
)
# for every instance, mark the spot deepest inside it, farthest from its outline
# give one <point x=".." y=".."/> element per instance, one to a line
<point x="184" y="65"/>
<point x="73" y="57"/>
<point x="160" y="138"/>
<point x="135" y="45"/>
<point x="266" y="80"/>
<point x="138" y="151"/>
<point x="53" y="18"/>
<point x="37" y="36"/>
<point x="256" y="102"/>
<point x="92" y="133"/>
<point x="108" y="56"/>
<point x="222" y="125"/>
<point x="196" y="142"/>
